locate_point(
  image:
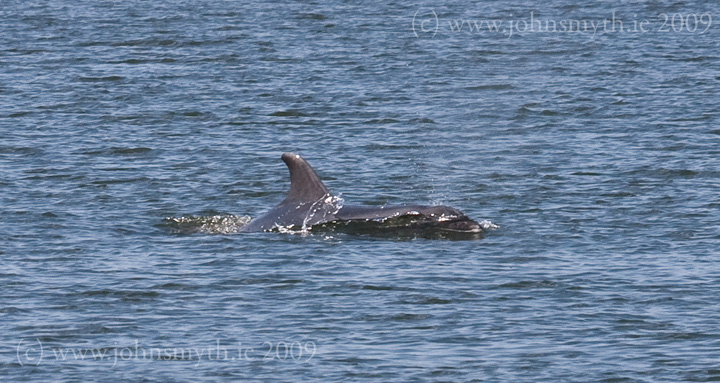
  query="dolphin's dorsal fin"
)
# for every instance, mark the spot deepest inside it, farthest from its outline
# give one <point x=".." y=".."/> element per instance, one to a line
<point x="305" y="185"/>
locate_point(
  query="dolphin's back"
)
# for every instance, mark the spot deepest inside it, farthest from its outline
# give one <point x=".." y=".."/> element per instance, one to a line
<point x="309" y="203"/>
<point x="348" y="213"/>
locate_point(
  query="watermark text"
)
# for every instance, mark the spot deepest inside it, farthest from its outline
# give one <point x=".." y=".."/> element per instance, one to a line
<point x="34" y="352"/>
<point x="426" y="23"/>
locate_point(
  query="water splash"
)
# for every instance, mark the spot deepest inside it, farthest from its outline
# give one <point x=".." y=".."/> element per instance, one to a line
<point x="214" y="224"/>
<point x="322" y="210"/>
<point x="486" y="225"/>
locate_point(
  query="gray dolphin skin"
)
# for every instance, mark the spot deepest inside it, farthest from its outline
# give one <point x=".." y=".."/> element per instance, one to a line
<point x="309" y="203"/>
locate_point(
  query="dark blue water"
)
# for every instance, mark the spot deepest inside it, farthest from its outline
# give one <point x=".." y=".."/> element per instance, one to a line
<point x="597" y="154"/>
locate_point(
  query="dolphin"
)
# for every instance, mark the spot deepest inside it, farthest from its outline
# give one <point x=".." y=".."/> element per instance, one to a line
<point x="309" y="204"/>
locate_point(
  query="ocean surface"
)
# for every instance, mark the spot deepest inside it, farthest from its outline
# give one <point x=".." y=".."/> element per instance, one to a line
<point x="137" y="137"/>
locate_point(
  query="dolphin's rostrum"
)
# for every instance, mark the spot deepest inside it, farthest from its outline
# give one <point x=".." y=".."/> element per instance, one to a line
<point x="309" y="203"/>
